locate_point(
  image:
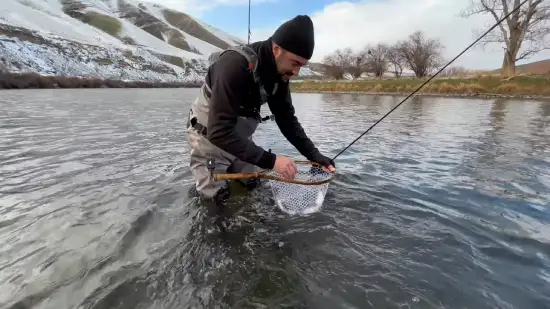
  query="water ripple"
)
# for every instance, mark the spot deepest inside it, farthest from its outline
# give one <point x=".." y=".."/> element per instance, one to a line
<point x="443" y="205"/>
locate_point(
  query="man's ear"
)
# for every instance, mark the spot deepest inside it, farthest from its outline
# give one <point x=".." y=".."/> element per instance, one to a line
<point x="276" y="49"/>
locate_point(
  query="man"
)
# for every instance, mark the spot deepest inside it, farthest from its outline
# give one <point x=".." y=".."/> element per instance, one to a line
<point x="226" y="113"/>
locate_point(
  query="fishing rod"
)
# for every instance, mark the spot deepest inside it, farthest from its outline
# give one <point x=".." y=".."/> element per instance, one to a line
<point x="440" y="70"/>
<point x="249" y="22"/>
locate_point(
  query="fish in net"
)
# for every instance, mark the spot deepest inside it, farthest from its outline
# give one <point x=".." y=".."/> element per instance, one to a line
<point x="304" y="194"/>
<point x="297" y="198"/>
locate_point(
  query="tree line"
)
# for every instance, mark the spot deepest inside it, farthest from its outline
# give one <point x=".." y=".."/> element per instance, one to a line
<point x="523" y="34"/>
<point x="417" y="53"/>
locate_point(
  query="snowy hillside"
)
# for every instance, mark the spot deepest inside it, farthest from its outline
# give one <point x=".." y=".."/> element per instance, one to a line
<point x="118" y="39"/>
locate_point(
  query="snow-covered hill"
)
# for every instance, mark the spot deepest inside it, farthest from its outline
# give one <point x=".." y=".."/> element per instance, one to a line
<point x="118" y="39"/>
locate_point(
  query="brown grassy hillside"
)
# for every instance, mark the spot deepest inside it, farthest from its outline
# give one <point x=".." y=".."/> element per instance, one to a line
<point x="533" y="68"/>
<point x="187" y="24"/>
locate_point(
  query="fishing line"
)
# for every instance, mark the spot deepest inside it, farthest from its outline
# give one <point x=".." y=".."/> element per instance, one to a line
<point x="440" y="70"/>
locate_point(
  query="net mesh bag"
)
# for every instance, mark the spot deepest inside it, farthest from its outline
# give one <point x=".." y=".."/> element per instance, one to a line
<point x="293" y="198"/>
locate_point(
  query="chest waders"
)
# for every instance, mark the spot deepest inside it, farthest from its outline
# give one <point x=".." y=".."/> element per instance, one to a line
<point x="206" y="158"/>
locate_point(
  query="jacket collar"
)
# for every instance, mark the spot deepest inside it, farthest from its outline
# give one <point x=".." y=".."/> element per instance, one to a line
<point x="266" y="61"/>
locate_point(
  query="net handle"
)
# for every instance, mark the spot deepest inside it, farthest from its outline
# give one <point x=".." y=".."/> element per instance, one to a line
<point x="262" y="175"/>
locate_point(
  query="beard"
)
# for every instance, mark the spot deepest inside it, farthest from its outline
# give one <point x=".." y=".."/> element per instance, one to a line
<point x="287" y="75"/>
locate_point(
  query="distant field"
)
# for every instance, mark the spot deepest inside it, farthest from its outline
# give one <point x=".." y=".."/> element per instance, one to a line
<point x="519" y="85"/>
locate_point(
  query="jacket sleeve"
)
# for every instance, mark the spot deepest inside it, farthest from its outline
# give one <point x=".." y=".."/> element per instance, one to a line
<point x="283" y="110"/>
<point x="230" y="82"/>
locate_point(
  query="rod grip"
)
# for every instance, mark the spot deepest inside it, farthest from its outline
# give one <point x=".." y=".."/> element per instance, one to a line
<point x="235" y="176"/>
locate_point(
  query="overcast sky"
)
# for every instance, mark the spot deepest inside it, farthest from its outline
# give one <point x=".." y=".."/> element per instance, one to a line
<point x="354" y="24"/>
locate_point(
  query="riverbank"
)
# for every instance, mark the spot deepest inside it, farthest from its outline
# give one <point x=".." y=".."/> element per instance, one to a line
<point x="36" y="81"/>
<point x="518" y="87"/>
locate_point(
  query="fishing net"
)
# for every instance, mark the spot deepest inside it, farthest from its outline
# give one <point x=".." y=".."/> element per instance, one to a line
<point x="304" y="194"/>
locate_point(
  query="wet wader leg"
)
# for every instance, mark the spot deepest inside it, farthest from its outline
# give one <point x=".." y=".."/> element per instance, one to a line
<point x="206" y="186"/>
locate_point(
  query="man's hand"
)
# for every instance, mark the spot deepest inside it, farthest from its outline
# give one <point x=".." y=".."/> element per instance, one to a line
<point x="326" y="162"/>
<point x="285" y="166"/>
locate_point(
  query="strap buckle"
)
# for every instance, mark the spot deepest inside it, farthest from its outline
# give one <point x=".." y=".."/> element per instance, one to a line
<point x="211" y="165"/>
<point x="198" y="127"/>
<point x="267" y="118"/>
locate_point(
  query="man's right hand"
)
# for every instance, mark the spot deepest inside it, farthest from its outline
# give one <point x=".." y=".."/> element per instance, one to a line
<point x="285" y="166"/>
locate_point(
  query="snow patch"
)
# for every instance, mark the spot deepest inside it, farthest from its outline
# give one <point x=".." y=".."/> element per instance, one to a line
<point x="205" y="47"/>
<point x="50" y="22"/>
<point x="71" y="59"/>
<point x="38" y="36"/>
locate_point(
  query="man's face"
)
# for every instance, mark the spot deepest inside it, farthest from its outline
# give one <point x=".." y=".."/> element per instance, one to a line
<point x="288" y="64"/>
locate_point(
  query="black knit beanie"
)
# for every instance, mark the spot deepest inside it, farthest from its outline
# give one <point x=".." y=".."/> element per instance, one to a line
<point x="296" y="36"/>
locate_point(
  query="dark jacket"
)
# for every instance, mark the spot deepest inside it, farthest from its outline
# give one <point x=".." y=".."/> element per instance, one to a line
<point x="233" y="86"/>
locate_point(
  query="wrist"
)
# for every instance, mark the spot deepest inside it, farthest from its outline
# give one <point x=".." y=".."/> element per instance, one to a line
<point x="267" y="160"/>
<point x="314" y="156"/>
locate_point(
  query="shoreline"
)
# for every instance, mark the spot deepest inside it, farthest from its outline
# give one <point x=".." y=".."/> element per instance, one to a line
<point x="432" y="94"/>
<point x="22" y="81"/>
<point x="530" y="88"/>
<point x="521" y="87"/>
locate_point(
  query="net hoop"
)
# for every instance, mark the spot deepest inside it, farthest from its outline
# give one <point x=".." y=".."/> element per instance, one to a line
<point x="272" y="175"/>
<point x="302" y="195"/>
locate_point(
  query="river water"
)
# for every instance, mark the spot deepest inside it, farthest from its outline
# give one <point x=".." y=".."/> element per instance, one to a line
<point x="444" y="204"/>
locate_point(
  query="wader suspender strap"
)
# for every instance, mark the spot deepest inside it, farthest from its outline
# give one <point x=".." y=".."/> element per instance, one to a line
<point x="252" y="59"/>
<point x="250" y="56"/>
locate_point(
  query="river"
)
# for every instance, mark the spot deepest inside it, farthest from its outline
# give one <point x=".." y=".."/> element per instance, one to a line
<point x="444" y="204"/>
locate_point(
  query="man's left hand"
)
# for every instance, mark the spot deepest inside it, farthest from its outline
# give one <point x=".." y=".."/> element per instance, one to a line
<point x="326" y="162"/>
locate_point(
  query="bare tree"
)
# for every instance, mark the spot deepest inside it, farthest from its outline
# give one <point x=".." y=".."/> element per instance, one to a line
<point x="346" y="60"/>
<point x="420" y="54"/>
<point x="358" y="62"/>
<point x="523" y="34"/>
<point x="337" y="63"/>
<point x="377" y="61"/>
<point x="395" y="61"/>
<point x="454" y="71"/>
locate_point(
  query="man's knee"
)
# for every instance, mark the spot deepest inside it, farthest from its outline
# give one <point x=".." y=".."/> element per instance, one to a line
<point x="250" y="184"/>
<point x="205" y="161"/>
<point x="239" y="166"/>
